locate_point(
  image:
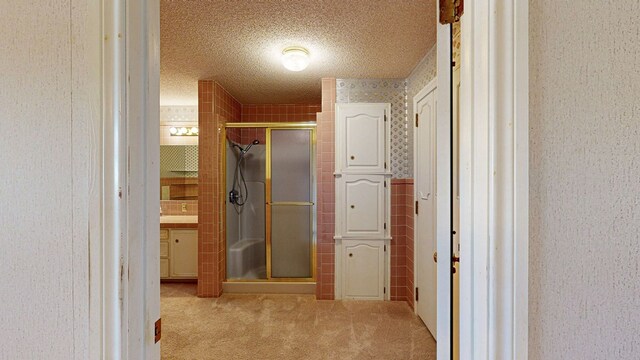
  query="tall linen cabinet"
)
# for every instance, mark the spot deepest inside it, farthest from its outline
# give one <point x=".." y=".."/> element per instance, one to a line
<point x="363" y="201"/>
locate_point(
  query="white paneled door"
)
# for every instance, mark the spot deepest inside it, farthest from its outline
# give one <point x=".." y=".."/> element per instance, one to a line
<point x="425" y="219"/>
<point x="363" y="261"/>
<point x="362" y="137"/>
<point x="363" y="208"/>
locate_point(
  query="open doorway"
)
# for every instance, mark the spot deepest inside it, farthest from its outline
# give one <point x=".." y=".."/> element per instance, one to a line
<point x="438" y="205"/>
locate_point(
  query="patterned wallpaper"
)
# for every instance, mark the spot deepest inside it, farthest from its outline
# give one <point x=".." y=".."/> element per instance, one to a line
<point x="392" y="91"/>
<point x="174" y="157"/>
<point x="178" y="114"/>
<point x="400" y="93"/>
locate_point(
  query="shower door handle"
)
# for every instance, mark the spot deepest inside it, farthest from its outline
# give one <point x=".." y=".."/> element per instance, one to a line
<point x="290" y="203"/>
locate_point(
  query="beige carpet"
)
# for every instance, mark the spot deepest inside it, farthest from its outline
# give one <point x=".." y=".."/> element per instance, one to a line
<point x="286" y="327"/>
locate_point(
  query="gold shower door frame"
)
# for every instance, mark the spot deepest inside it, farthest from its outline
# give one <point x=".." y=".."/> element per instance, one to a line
<point x="268" y="126"/>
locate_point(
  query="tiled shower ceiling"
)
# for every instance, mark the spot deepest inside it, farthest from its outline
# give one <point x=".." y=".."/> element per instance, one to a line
<point x="238" y="43"/>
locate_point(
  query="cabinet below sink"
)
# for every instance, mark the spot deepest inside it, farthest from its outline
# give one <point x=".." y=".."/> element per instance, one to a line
<point x="178" y="254"/>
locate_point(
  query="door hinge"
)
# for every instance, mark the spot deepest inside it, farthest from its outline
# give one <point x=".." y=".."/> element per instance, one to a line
<point x="417" y="294"/>
<point x="385" y="184"/>
<point x="384" y="290"/>
<point x="385" y="226"/>
<point x="416" y="207"/>
<point x="158" y="330"/>
<point x="385" y="164"/>
<point x="416" y="119"/>
<point x="450" y="11"/>
<point x="385" y="116"/>
<point x="385" y="248"/>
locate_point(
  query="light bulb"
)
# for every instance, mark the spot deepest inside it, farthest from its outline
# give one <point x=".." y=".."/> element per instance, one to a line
<point x="173" y="130"/>
<point x="194" y="130"/>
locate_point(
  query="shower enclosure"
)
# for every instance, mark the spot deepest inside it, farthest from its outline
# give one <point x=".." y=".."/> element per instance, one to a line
<point x="270" y="201"/>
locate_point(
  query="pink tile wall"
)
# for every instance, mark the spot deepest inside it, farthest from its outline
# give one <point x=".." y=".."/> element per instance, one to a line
<point x="409" y="201"/>
<point x="398" y="242"/>
<point x="215" y="107"/>
<point x="274" y="113"/>
<point x="250" y="134"/>
<point x="279" y="112"/>
<point x="326" y="192"/>
<point x="174" y="207"/>
<point x="402" y="243"/>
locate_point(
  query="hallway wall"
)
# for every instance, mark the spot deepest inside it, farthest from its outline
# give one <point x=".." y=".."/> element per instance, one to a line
<point x="584" y="180"/>
<point x="50" y="107"/>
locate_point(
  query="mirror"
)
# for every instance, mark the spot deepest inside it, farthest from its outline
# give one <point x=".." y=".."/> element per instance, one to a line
<point x="178" y="172"/>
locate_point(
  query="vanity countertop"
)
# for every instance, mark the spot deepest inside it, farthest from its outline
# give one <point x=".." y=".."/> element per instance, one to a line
<point x="179" y="221"/>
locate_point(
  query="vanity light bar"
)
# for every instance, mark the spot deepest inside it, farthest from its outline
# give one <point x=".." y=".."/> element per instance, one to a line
<point x="183" y="131"/>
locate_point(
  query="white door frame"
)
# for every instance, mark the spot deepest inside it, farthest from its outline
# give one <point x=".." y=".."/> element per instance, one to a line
<point x="494" y="179"/>
<point x="125" y="279"/>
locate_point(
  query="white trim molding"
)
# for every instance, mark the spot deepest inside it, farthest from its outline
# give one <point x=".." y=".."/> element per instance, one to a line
<point x="127" y="261"/>
<point x="494" y="180"/>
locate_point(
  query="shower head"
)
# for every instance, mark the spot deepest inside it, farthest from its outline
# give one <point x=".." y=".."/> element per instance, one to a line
<point x="254" y="142"/>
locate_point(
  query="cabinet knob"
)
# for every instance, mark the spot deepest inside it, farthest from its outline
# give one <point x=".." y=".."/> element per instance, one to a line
<point x="353" y="206"/>
<point x="353" y="157"/>
<point x="350" y="255"/>
<point x="177" y="241"/>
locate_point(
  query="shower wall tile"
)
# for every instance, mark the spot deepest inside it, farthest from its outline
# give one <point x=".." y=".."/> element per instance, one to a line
<point x="325" y="135"/>
<point x="250" y="134"/>
<point x="274" y="113"/>
<point x="393" y="91"/>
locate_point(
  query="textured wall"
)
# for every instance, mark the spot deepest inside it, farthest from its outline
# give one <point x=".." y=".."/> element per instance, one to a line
<point x="47" y="96"/>
<point x="584" y="288"/>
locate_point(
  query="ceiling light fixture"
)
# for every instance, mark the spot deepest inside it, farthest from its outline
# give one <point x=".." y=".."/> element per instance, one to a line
<point x="295" y="58"/>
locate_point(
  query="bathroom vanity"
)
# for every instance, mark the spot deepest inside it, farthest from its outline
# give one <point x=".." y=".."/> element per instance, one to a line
<point x="178" y="247"/>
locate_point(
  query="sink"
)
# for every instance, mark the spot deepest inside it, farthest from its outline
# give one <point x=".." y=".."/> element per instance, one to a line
<point x="179" y="219"/>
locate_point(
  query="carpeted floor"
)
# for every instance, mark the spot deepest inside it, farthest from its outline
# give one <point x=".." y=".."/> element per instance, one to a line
<point x="287" y="327"/>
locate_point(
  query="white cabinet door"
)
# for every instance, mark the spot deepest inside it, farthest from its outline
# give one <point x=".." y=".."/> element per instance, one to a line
<point x="363" y="206"/>
<point x="363" y="265"/>
<point x="361" y="138"/>
<point x="164" y="268"/>
<point x="184" y="254"/>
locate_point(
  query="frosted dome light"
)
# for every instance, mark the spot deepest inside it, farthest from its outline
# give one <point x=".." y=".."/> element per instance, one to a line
<point x="295" y="58"/>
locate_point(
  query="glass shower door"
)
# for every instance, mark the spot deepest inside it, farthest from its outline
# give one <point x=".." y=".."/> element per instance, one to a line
<point x="290" y="194"/>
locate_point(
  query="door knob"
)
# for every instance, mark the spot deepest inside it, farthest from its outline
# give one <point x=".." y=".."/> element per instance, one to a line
<point x="353" y="206"/>
<point x="350" y="255"/>
<point x="353" y="157"/>
<point x="435" y="256"/>
<point x="177" y="241"/>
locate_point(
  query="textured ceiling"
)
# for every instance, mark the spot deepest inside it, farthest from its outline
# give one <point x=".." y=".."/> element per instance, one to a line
<point x="238" y="43"/>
